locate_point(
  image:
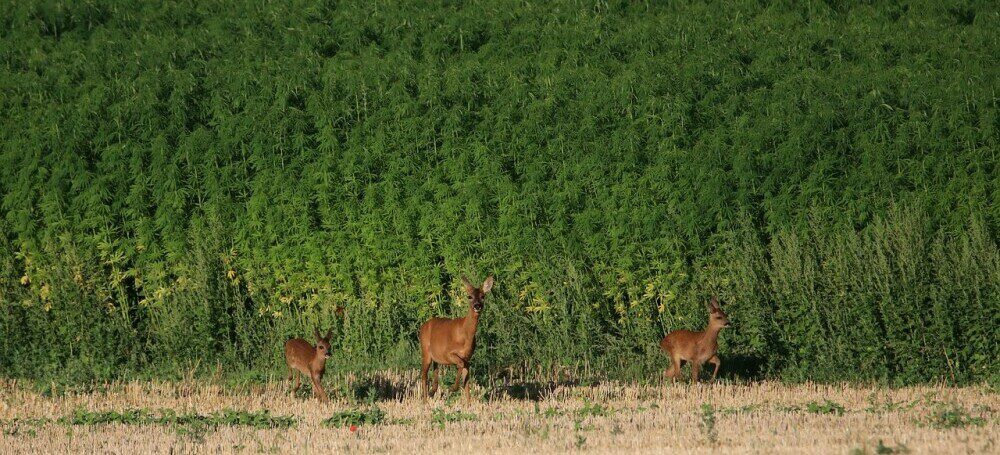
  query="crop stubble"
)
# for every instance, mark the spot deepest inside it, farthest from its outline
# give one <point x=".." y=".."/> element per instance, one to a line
<point x="767" y="417"/>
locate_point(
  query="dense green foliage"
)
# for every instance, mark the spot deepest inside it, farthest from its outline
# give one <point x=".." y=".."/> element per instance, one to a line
<point x="192" y="182"/>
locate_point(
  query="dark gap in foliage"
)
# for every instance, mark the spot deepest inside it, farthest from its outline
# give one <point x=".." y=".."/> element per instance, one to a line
<point x="962" y="15"/>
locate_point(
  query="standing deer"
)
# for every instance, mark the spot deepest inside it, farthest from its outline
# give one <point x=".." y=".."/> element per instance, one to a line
<point x="308" y="360"/>
<point x="452" y="341"/>
<point x="696" y="348"/>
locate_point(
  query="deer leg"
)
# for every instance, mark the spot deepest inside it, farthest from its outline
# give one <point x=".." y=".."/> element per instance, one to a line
<point x="424" y="383"/>
<point x="675" y="368"/>
<point x="458" y="379"/>
<point x="715" y="360"/>
<point x="460" y="365"/>
<point x="465" y="383"/>
<point x="318" y="387"/>
<point x="695" y="368"/>
<point x="298" y="382"/>
<point x="436" y="378"/>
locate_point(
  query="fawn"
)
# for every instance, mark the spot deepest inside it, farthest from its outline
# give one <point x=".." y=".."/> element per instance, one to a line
<point x="302" y="356"/>
<point x="451" y="341"/>
<point x="696" y="348"/>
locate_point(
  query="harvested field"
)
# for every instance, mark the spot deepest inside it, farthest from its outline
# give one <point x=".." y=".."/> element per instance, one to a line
<point x="387" y="415"/>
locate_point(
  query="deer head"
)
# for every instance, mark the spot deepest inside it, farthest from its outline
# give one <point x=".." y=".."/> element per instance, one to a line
<point x="477" y="294"/>
<point x="716" y="317"/>
<point x="323" y="343"/>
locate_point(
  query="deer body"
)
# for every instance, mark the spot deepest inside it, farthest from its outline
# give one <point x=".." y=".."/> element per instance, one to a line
<point x="446" y="341"/>
<point x="460" y="334"/>
<point x="304" y="358"/>
<point x="696" y="348"/>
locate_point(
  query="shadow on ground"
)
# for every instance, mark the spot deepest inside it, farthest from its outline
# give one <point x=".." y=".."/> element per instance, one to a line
<point x="378" y="388"/>
<point x="529" y="391"/>
<point x="743" y="367"/>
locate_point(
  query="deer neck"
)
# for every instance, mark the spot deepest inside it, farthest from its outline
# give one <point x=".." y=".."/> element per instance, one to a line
<point x="318" y="361"/>
<point x="470" y="323"/>
<point x="711" y="333"/>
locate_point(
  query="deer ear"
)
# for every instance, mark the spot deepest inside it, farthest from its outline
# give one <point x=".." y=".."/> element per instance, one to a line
<point x="329" y="333"/>
<point x="467" y="284"/>
<point x="316" y="334"/>
<point x="488" y="284"/>
<point x="715" y="302"/>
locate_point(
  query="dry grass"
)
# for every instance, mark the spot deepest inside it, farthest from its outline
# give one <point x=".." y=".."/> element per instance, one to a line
<point x="728" y="418"/>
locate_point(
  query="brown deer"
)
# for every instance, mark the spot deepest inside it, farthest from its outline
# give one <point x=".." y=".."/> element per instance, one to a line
<point x="308" y="360"/>
<point x="451" y="341"/>
<point x="696" y="348"/>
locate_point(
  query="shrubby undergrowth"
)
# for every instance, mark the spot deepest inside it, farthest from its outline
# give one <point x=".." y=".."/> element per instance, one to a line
<point x="193" y="182"/>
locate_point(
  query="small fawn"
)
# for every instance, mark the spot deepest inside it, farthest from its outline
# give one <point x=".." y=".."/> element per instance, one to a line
<point x="696" y="348"/>
<point x="451" y="341"/>
<point x="308" y="360"/>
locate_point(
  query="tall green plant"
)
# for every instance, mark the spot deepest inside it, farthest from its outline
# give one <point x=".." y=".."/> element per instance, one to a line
<point x="192" y="183"/>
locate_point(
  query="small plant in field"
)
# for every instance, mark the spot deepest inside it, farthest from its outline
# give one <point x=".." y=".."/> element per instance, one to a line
<point x="579" y="426"/>
<point x="452" y="398"/>
<point x="401" y="421"/>
<point x="227" y="417"/>
<point x="17" y="421"/>
<point x="371" y="416"/>
<point x="549" y="412"/>
<point x="890" y="406"/>
<point x="708" y="423"/>
<point x="951" y="415"/>
<point x="343" y="389"/>
<point x="18" y="426"/>
<point x="884" y="449"/>
<point x="651" y="406"/>
<point x="826" y="407"/>
<point x="191" y="425"/>
<point x="881" y="449"/>
<point x="82" y="416"/>
<point x="528" y="428"/>
<point x="593" y="410"/>
<point x="260" y="419"/>
<point x="578" y="429"/>
<point x="740" y="410"/>
<point x="788" y="408"/>
<point x="440" y="417"/>
<point x="194" y="430"/>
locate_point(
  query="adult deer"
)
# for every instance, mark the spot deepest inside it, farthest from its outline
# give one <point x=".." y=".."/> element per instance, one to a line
<point x="696" y="348"/>
<point x="451" y="341"/>
<point x="308" y="360"/>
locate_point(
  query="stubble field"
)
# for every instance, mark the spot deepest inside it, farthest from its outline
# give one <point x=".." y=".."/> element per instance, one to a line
<point x="383" y="413"/>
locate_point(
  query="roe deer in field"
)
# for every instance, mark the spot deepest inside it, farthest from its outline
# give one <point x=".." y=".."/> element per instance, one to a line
<point x="308" y="360"/>
<point x="452" y="341"/>
<point x="696" y="348"/>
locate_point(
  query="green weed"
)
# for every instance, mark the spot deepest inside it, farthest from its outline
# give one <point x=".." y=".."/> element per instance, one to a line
<point x="950" y="415"/>
<point x="708" y="423"/>
<point x="746" y="409"/>
<point x="590" y="409"/>
<point x="882" y="449"/>
<point x="19" y="426"/>
<point x="440" y="417"/>
<point x="825" y="407"/>
<point x="228" y="417"/>
<point x="373" y="415"/>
